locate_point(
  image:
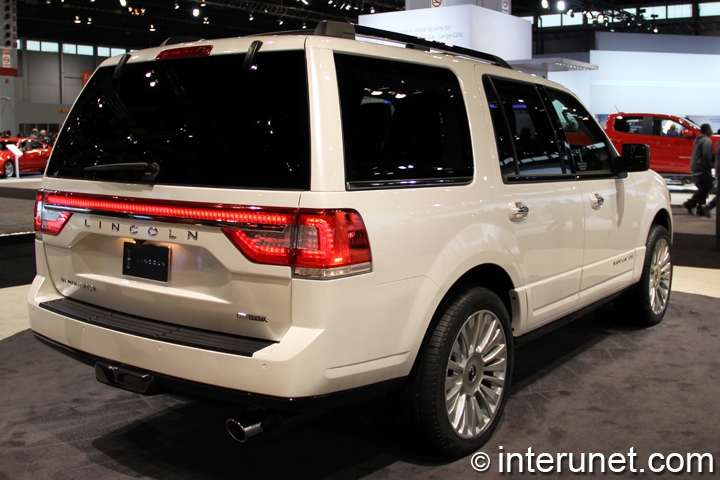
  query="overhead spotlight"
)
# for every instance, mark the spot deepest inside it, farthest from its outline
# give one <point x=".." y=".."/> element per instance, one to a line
<point x="89" y="22"/>
<point x="176" y="5"/>
<point x="349" y="6"/>
<point x="545" y="4"/>
<point x="251" y="18"/>
<point x="152" y="27"/>
<point x="77" y="19"/>
<point x="570" y="12"/>
<point x="304" y="25"/>
<point x="601" y="18"/>
<point x="305" y="2"/>
<point x="372" y="9"/>
<point x="206" y="20"/>
<point x="123" y="3"/>
<point x="561" y="5"/>
<point x="202" y="3"/>
<point x="196" y="12"/>
<point x="589" y="15"/>
<point x="655" y="30"/>
<point x="280" y="21"/>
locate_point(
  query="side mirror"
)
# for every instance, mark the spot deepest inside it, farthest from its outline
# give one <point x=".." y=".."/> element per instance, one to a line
<point x="635" y="157"/>
<point x="687" y="133"/>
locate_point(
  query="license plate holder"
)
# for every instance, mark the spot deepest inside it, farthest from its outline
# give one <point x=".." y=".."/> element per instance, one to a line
<point x="145" y="260"/>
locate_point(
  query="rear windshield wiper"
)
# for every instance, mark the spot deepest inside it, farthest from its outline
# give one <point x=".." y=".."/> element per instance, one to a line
<point x="149" y="170"/>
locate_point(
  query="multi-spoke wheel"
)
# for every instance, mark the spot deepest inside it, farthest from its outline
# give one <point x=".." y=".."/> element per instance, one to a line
<point x="646" y="303"/>
<point x="462" y="383"/>
<point x="9" y="168"/>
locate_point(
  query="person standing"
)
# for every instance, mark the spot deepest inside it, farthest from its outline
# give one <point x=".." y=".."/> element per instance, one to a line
<point x="700" y="166"/>
<point x="713" y="203"/>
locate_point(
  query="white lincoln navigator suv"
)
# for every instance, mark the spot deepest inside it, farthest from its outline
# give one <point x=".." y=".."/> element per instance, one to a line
<point x="289" y="220"/>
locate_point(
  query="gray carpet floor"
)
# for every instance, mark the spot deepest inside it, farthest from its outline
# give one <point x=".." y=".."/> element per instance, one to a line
<point x="594" y="386"/>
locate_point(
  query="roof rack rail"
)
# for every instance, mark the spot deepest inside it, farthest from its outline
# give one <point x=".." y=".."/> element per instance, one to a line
<point x="328" y="28"/>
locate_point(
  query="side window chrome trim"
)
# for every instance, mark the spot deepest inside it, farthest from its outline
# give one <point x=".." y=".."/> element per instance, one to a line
<point x="512" y="179"/>
<point x="388" y="184"/>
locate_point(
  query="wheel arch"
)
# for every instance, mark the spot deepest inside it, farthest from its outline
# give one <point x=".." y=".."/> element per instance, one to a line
<point x="663" y="218"/>
<point x="488" y="275"/>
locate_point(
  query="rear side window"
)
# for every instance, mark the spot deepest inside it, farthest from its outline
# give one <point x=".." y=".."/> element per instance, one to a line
<point x="403" y="124"/>
<point x="522" y="124"/>
<point x="629" y="124"/>
<point x="205" y="122"/>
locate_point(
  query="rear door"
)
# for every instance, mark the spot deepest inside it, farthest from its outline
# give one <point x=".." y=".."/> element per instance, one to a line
<point x="198" y="237"/>
<point x="543" y="221"/>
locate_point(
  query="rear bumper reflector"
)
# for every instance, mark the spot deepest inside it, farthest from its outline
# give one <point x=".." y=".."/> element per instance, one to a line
<point x="160" y="331"/>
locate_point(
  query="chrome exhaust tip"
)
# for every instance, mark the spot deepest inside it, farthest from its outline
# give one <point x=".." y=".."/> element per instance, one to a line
<point x="240" y="433"/>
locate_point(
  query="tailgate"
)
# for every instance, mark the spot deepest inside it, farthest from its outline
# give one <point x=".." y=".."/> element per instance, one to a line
<point x="174" y="261"/>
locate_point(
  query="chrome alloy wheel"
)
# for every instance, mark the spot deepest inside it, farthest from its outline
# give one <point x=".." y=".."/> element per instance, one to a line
<point x="476" y="372"/>
<point x="660" y="276"/>
<point x="8" y="169"/>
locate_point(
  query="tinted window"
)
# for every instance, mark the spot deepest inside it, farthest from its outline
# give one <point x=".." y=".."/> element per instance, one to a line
<point x="585" y="139"/>
<point x="503" y="138"/>
<point x="629" y="124"/>
<point x="204" y="121"/>
<point x="534" y="140"/>
<point x="402" y="124"/>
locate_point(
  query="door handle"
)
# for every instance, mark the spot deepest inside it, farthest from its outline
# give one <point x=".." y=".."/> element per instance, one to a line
<point x="518" y="211"/>
<point x="596" y="201"/>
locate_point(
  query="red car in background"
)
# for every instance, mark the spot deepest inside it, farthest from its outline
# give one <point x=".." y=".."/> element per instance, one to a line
<point x="670" y="139"/>
<point x="34" y="158"/>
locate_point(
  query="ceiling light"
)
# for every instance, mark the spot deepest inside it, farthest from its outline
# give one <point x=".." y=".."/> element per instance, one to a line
<point x="196" y="12"/>
<point x="601" y="18"/>
<point x="206" y="20"/>
<point x="280" y="21"/>
<point x="77" y="19"/>
<point x="176" y="6"/>
<point x="251" y="18"/>
<point x="202" y="3"/>
<point x="589" y="15"/>
<point x="305" y="2"/>
<point x="372" y="9"/>
<point x="561" y="5"/>
<point x="545" y="4"/>
<point x="304" y="25"/>
<point x="152" y="27"/>
<point x="89" y="22"/>
<point x="123" y="3"/>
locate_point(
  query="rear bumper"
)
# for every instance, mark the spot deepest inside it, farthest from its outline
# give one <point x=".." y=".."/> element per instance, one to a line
<point x="169" y="384"/>
<point x="294" y="368"/>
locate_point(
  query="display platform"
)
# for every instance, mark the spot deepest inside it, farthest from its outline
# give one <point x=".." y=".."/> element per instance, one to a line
<point x="595" y="386"/>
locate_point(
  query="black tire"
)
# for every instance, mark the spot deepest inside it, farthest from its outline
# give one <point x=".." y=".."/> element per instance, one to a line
<point x="482" y="378"/>
<point x="9" y="168"/>
<point x="645" y="304"/>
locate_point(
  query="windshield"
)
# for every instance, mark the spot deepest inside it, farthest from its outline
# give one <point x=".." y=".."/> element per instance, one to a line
<point x="205" y="121"/>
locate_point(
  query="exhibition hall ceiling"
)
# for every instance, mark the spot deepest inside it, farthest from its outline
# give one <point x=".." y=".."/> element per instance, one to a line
<point x="144" y="23"/>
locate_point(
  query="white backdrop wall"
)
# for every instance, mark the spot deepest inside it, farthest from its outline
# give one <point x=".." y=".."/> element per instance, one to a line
<point x="650" y="82"/>
<point x="467" y="26"/>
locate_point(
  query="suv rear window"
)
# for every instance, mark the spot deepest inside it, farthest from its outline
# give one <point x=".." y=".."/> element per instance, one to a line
<point x="205" y="121"/>
<point x="403" y="124"/>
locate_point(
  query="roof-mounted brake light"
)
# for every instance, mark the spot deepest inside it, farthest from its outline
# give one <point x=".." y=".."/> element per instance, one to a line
<point x="184" y="52"/>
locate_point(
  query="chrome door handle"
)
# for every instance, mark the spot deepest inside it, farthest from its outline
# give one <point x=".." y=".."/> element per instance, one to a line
<point x="518" y="211"/>
<point x="596" y="201"/>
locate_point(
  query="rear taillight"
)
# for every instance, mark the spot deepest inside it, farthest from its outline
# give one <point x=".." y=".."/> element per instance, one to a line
<point x="314" y="243"/>
<point x="49" y="219"/>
